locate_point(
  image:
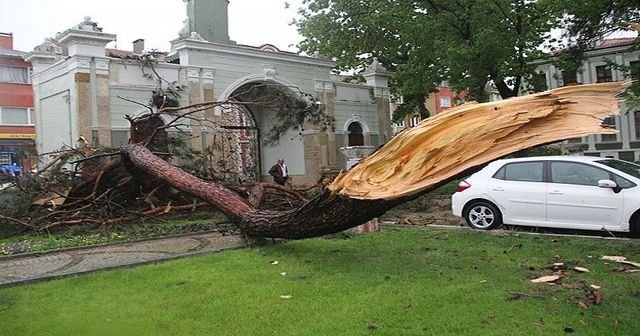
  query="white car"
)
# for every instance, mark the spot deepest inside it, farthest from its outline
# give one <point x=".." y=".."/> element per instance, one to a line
<point x="569" y="192"/>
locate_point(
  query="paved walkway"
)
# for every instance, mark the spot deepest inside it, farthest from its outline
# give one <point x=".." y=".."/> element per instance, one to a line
<point x="49" y="265"/>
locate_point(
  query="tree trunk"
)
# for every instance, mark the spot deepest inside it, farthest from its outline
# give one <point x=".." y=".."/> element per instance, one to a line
<point x="324" y="214"/>
<point x="412" y="163"/>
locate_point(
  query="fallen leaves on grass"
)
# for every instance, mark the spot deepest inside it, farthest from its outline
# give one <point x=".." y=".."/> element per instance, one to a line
<point x="570" y="282"/>
<point x="539" y="323"/>
<point x="519" y="296"/>
<point x="592" y="296"/>
<point x="513" y="247"/>
<point x="624" y="270"/>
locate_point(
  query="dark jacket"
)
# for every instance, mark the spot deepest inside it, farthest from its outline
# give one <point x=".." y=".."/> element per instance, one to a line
<point x="276" y="172"/>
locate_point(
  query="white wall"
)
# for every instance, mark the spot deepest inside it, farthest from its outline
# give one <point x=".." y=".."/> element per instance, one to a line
<point x="55" y="122"/>
<point x="290" y="147"/>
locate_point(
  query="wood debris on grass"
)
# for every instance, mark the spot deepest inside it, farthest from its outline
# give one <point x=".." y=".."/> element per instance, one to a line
<point x="621" y="260"/>
<point x="623" y="269"/>
<point x="592" y="294"/>
<point x="547" y="279"/>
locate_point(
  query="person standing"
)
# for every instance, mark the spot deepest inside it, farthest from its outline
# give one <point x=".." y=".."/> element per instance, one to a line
<point x="279" y="172"/>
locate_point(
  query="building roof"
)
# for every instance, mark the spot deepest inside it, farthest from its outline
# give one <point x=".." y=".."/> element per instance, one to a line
<point x="614" y="42"/>
<point x="126" y="54"/>
<point x="109" y="52"/>
<point x="11" y="52"/>
<point x="603" y="44"/>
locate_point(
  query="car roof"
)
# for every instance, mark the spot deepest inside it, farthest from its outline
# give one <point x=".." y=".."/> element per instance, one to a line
<point x="573" y="158"/>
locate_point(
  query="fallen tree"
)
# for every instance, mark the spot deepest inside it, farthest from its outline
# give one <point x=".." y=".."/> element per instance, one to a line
<point x="414" y="162"/>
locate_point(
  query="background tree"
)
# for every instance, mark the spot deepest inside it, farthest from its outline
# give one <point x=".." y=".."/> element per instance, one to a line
<point x="466" y="42"/>
<point x="491" y="41"/>
<point x="592" y="20"/>
<point x="353" y="33"/>
<point x="582" y="26"/>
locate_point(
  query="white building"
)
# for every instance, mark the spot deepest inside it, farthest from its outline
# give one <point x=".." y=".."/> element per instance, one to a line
<point x="79" y="85"/>
<point x="595" y="69"/>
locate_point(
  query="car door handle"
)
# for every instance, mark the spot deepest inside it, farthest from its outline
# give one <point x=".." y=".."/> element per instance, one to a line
<point x="497" y="189"/>
<point x="556" y="192"/>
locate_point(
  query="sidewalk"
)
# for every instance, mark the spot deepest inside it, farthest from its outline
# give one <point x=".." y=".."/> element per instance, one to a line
<point x="50" y="265"/>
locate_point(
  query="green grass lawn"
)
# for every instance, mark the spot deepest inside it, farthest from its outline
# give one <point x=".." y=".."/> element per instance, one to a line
<point x="406" y="282"/>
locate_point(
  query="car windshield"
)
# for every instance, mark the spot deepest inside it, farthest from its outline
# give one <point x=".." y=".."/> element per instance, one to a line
<point x="623" y="166"/>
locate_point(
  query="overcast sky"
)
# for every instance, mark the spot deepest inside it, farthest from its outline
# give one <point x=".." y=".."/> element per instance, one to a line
<point x="251" y="22"/>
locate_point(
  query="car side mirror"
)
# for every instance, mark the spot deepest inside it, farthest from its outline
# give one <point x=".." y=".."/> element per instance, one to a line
<point x="609" y="184"/>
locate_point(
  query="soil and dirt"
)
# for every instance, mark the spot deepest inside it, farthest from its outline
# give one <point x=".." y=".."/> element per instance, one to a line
<point x="428" y="210"/>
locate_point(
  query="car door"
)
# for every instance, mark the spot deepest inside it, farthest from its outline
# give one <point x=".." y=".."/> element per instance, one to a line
<point x="519" y="190"/>
<point x="574" y="199"/>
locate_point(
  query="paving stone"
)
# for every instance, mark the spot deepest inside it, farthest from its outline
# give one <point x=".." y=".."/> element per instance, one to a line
<point x="29" y="268"/>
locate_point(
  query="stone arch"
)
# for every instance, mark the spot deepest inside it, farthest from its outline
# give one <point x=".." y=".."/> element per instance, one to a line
<point x="291" y="145"/>
<point x="365" y="127"/>
<point x="266" y="77"/>
<point x="355" y="130"/>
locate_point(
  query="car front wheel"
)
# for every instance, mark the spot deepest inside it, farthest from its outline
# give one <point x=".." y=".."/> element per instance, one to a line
<point x="483" y="216"/>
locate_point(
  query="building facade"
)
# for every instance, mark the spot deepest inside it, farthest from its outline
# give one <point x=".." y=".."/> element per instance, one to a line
<point x="441" y="100"/>
<point x="83" y="89"/>
<point x="17" y="132"/>
<point x="600" y="66"/>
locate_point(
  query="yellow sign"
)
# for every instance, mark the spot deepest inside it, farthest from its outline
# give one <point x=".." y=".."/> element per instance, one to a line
<point x="16" y="136"/>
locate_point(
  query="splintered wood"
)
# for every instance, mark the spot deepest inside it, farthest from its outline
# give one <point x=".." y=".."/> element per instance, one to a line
<point x="472" y="134"/>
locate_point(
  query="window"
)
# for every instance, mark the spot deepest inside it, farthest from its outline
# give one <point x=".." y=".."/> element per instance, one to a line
<point x="636" y="119"/>
<point x="356" y="138"/>
<point x="623" y="182"/>
<point x="569" y="77"/>
<point x="445" y="102"/>
<point x="624" y="166"/>
<point x="14" y="75"/>
<point x="7" y="158"/>
<point x="603" y="74"/>
<point x="16" y="116"/>
<point x="521" y="171"/>
<point x="574" y="140"/>
<point x="611" y="121"/>
<point x="95" y="140"/>
<point x="119" y="138"/>
<point x="634" y="69"/>
<point x="577" y="173"/>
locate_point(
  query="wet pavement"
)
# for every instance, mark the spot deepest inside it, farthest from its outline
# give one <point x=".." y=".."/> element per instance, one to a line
<point x="49" y="265"/>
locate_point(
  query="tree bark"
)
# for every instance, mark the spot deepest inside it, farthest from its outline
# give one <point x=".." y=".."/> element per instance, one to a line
<point x="412" y="163"/>
<point x="324" y="214"/>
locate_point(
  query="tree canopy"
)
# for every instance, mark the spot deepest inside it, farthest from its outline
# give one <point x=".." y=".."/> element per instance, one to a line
<point x="467" y="43"/>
